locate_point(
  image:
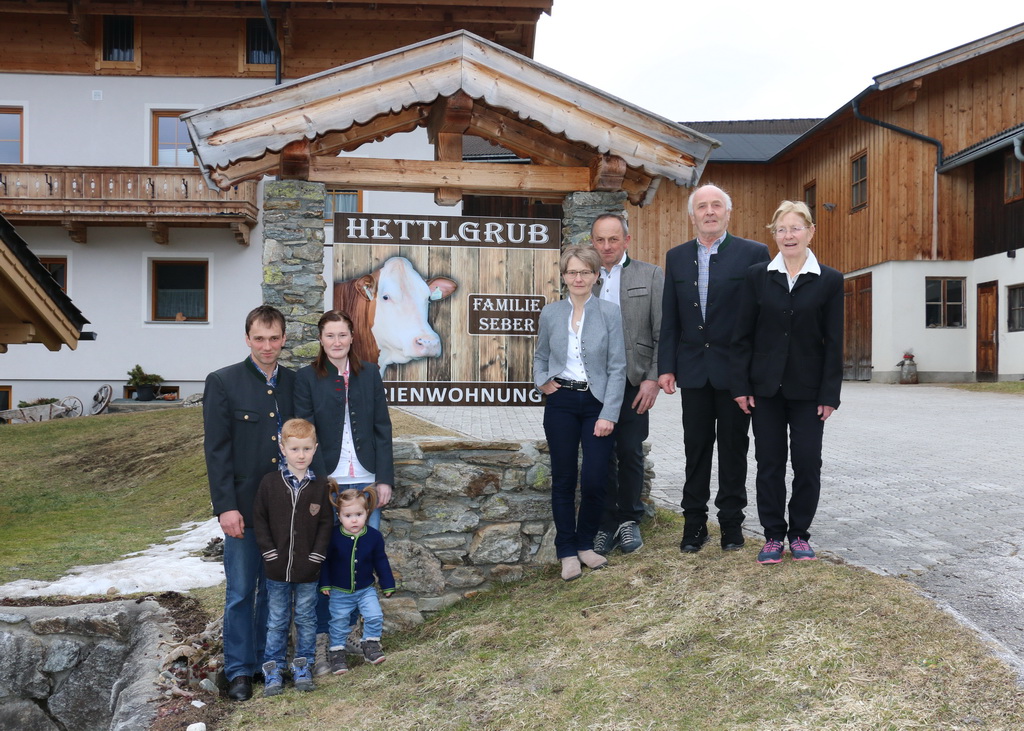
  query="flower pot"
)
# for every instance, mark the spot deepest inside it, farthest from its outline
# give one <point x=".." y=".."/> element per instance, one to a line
<point x="146" y="392"/>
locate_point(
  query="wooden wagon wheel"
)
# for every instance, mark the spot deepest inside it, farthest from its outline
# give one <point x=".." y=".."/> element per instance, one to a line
<point x="101" y="399"/>
<point x="72" y="407"/>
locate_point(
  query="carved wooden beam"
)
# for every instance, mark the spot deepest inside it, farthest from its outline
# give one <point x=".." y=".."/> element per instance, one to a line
<point x="449" y="120"/>
<point x="81" y="25"/>
<point x="526" y="140"/>
<point x="474" y="178"/>
<point x="607" y="172"/>
<point x="160" y="232"/>
<point x="241" y="230"/>
<point x="295" y="159"/>
<point x="907" y="95"/>
<point x="17" y="332"/>
<point x="77" y="231"/>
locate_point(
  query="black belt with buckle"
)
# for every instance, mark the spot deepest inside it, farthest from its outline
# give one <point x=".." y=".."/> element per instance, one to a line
<point x="572" y="385"/>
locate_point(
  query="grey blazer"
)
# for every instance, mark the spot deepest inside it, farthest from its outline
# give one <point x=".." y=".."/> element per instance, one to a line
<point x="640" y="295"/>
<point x="603" y="350"/>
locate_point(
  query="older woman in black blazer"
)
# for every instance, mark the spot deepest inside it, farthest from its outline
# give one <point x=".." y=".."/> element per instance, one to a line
<point x="787" y="370"/>
<point x="580" y="365"/>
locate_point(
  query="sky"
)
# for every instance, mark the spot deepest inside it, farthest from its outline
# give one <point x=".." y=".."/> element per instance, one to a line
<point x="750" y="59"/>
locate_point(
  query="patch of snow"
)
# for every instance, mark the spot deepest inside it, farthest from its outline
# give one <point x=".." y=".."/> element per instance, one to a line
<point x="167" y="566"/>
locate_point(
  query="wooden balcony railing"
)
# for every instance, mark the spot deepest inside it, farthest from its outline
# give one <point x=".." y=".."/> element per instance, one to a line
<point x="155" y="197"/>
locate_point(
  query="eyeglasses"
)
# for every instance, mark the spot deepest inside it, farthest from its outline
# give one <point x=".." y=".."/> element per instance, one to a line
<point x="782" y="231"/>
<point x="573" y="273"/>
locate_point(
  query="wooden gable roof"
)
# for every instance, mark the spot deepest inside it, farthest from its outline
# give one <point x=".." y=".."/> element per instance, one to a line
<point x="33" y="308"/>
<point x="578" y="137"/>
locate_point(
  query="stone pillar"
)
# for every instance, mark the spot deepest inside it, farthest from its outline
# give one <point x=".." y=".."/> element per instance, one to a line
<point x="293" y="262"/>
<point x="580" y="210"/>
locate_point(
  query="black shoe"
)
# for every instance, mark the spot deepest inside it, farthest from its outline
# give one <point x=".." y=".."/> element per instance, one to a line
<point x="694" y="538"/>
<point x="240" y="688"/>
<point x="732" y="538"/>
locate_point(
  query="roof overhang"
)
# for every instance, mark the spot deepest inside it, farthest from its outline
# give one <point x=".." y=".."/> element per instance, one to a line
<point x="994" y="143"/>
<point x="455" y="84"/>
<point x="33" y="309"/>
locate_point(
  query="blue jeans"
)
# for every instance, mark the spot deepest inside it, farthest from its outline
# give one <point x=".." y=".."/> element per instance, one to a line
<point x="280" y="596"/>
<point x="245" y="606"/>
<point x="345" y="606"/>
<point x="569" y="419"/>
<point x="323" y="612"/>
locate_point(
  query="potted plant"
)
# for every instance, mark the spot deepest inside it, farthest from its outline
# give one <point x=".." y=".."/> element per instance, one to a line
<point x="146" y="384"/>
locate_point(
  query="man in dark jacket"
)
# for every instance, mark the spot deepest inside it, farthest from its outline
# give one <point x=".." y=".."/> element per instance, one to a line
<point x="244" y="406"/>
<point x="703" y="278"/>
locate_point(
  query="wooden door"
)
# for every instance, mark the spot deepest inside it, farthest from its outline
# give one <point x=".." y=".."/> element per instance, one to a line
<point x="988" y="331"/>
<point x="857" y="328"/>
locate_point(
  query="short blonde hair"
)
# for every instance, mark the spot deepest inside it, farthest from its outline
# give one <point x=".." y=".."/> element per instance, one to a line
<point x="587" y="254"/>
<point x="798" y="207"/>
<point x="299" y="429"/>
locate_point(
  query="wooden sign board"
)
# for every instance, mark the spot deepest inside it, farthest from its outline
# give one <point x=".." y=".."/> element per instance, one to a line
<point x="447" y="307"/>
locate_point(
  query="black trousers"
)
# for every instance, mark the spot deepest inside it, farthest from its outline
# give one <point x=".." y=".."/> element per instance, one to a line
<point x="772" y="418"/>
<point x="626" y="467"/>
<point x="709" y="416"/>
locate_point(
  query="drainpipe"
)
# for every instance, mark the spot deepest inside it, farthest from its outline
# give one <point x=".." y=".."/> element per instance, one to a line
<point x="1017" y="152"/>
<point x="938" y="159"/>
<point x="273" y="35"/>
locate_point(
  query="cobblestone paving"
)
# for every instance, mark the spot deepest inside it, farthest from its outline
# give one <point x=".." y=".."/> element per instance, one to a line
<point x="921" y="482"/>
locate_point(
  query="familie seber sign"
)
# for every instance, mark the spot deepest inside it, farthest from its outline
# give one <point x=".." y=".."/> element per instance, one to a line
<point x="447" y="307"/>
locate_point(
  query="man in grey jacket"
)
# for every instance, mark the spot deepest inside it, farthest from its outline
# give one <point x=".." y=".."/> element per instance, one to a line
<point x="636" y="287"/>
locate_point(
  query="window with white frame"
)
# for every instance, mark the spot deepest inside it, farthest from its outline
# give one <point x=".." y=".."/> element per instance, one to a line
<point x="171" y="142"/>
<point x="1015" y="307"/>
<point x="944" y="301"/>
<point x="57" y="266"/>
<point x="11" y="134"/>
<point x="180" y="290"/>
<point x="341" y="201"/>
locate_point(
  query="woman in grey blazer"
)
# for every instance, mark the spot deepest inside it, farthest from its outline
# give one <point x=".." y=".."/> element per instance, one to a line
<point x="580" y="365"/>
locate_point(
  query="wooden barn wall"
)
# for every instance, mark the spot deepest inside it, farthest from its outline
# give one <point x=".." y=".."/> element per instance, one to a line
<point x="664" y="223"/>
<point x="960" y="105"/>
<point x="208" y="47"/>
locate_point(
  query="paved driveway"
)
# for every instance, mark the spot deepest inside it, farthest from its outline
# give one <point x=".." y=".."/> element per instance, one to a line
<point x="922" y="482"/>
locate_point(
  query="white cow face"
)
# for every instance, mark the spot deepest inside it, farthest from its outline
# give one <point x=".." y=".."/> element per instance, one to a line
<point x="400" y="323"/>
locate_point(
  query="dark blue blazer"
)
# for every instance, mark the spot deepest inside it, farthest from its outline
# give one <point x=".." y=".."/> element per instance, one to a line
<point x="322" y="401"/>
<point x="241" y="414"/>
<point x="791" y="341"/>
<point x="694" y="349"/>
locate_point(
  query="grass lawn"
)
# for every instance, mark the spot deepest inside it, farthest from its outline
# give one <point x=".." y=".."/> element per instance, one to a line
<point x="89" y="490"/>
<point x="997" y="387"/>
<point x="666" y="641"/>
<point x="658" y="641"/>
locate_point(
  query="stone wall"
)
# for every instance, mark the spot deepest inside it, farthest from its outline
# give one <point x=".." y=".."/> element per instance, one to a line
<point x="466" y="514"/>
<point x="293" y="262"/>
<point x="80" y="667"/>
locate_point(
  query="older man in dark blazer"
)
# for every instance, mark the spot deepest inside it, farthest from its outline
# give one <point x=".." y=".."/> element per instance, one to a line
<point x="636" y="287"/>
<point x="703" y="282"/>
<point x="244" y="406"/>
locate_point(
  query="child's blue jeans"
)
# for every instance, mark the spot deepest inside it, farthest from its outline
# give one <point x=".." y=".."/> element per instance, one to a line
<point x="342" y="605"/>
<point x="280" y="596"/>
